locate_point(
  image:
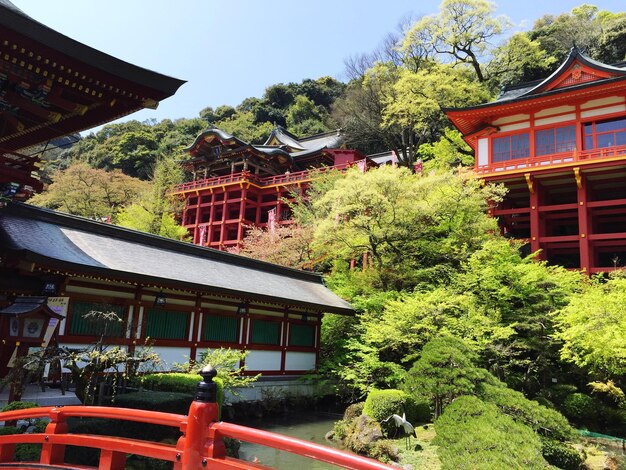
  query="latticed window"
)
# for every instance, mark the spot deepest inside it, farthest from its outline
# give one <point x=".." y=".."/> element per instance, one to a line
<point x="84" y="323"/>
<point x="608" y="133"/>
<point x="220" y="328"/>
<point x="166" y="324"/>
<point x="510" y="147"/>
<point x="265" y="332"/>
<point x="555" y="140"/>
<point x="302" y="335"/>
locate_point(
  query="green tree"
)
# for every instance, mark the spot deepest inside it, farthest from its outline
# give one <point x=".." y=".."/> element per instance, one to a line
<point x="155" y="210"/>
<point x="407" y="224"/>
<point x="243" y="126"/>
<point x="593" y="329"/>
<point x="444" y="371"/>
<point x="89" y="192"/>
<point x="462" y="32"/>
<point x="418" y="99"/>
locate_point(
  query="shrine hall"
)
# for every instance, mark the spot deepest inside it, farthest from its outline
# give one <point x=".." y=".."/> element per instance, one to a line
<point x="559" y="147"/>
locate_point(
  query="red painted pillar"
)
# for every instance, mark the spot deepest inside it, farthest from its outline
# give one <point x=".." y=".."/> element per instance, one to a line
<point x="583" y="221"/>
<point x="535" y="235"/>
<point x="242" y="212"/>
<point x="198" y="443"/>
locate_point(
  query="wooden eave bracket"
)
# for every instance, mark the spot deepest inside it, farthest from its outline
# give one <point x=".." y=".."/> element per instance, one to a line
<point x="530" y="183"/>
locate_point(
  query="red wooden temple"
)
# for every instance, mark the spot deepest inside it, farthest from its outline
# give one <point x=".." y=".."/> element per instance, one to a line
<point x="236" y="184"/>
<point x="559" y="146"/>
<point x="51" y="86"/>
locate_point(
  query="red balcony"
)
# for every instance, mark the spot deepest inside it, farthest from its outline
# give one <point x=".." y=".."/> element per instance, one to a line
<point x="282" y="179"/>
<point x="556" y="159"/>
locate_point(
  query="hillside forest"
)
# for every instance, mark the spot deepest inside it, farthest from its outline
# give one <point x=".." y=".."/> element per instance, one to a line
<point x="456" y="323"/>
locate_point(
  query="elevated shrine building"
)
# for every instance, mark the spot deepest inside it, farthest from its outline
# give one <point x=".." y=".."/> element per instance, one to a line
<point x="236" y="184"/>
<point x="559" y="147"/>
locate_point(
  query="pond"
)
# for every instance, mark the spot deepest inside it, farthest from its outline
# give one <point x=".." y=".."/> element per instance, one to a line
<point x="306" y="426"/>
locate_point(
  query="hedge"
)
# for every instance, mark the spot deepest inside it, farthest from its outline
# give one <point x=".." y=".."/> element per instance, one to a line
<point x="180" y="383"/>
<point x="381" y="404"/>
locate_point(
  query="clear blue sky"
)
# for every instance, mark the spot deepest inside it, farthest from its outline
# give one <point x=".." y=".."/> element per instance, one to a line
<point x="228" y="50"/>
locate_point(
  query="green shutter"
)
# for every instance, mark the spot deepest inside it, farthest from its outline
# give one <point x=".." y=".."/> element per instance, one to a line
<point x="265" y="332"/>
<point x="301" y="335"/>
<point x="220" y="328"/>
<point x="166" y="324"/>
<point x="92" y="326"/>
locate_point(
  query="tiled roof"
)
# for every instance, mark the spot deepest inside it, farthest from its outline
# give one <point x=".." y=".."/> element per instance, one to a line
<point x="84" y="246"/>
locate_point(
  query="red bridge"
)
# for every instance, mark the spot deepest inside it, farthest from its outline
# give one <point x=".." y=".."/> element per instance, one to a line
<point x="199" y="446"/>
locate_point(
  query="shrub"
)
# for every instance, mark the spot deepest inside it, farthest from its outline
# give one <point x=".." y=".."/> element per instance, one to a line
<point x="340" y="429"/>
<point x="580" y="407"/>
<point x="353" y="411"/>
<point x="19" y="405"/>
<point x="561" y="455"/>
<point x="7" y="430"/>
<point x="517" y="406"/>
<point x="477" y="435"/>
<point x="171" y="382"/>
<point x="169" y="402"/>
<point x="179" y="383"/>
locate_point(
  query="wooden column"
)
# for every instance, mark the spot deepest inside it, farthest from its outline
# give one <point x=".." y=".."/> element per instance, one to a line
<point x="242" y="212"/>
<point x="583" y="221"/>
<point x="196" y="232"/>
<point x="195" y="328"/>
<point x="211" y="220"/>
<point x="534" y="213"/>
<point x="283" y="340"/>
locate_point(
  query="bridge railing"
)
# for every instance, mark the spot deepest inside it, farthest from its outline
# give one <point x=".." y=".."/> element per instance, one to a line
<point x="199" y="446"/>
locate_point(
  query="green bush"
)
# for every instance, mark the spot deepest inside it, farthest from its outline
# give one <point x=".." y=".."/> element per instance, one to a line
<point x="171" y="382"/>
<point x="381" y="404"/>
<point x="7" y="430"/>
<point x="19" y="405"/>
<point x="580" y="407"/>
<point x="477" y="435"/>
<point x="169" y="402"/>
<point x="561" y="455"/>
<point x="558" y="393"/>
<point x="180" y="383"/>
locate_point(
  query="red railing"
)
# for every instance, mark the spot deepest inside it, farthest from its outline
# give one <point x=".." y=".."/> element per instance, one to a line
<point x="553" y="159"/>
<point x="199" y="446"/>
<point x="285" y="178"/>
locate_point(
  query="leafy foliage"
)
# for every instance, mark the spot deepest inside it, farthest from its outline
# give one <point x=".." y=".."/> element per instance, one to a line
<point x="381" y="404"/>
<point x="474" y="434"/>
<point x="89" y="192"/>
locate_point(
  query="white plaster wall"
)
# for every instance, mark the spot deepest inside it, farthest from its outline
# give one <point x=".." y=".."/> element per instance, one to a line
<point x="600" y="111"/>
<point x="263" y="360"/>
<point x="483" y="152"/>
<point x="171" y="354"/>
<point x="299" y="360"/>
<point x="602" y="102"/>
<point x="557" y="110"/>
<point x="515" y="127"/>
<point x="513" y="118"/>
<point x="555" y="119"/>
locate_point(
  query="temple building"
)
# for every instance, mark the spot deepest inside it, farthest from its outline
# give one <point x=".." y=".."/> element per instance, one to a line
<point x="236" y="184"/>
<point x="559" y="147"/>
<point x="179" y="297"/>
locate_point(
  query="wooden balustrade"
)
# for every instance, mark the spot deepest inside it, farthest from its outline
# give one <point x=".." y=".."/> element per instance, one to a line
<point x="199" y="446"/>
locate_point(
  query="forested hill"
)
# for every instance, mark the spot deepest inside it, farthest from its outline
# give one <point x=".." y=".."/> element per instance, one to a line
<point x="392" y="100"/>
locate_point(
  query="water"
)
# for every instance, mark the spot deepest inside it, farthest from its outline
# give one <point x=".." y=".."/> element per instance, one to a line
<point x="306" y="426"/>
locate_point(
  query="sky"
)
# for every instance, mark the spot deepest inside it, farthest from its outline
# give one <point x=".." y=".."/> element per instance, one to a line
<point x="228" y="50"/>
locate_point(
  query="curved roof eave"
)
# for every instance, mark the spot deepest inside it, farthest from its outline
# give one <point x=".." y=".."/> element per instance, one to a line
<point x="16" y="20"/>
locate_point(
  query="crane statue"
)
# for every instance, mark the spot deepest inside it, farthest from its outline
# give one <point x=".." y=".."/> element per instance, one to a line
<point x="401" y="422"/>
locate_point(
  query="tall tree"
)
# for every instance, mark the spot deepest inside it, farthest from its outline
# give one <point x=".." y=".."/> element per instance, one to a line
<point x="89" y="192"/>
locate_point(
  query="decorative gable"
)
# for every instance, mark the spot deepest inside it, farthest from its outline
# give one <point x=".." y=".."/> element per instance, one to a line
<point x="577" y="74"/>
